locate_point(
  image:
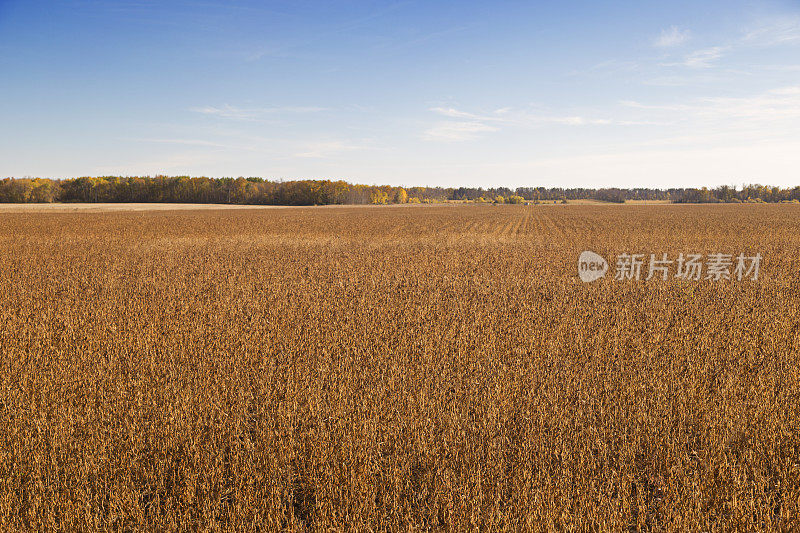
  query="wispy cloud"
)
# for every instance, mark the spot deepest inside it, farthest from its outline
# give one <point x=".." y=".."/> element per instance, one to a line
<point x="457" y="131"/>
<point x="455" y="113"/>
<point x="777" y="104"/>
<point x="672" y="36"/>
<point x="786" y="91"/>
<point x="609" y="67"/>
<point x="245" y="145"/>
<point x="252" y="113"/>
<point x="469" y="126"/>
<point x="322" y="150"/>
<point x="704" y="58"/>
<point x="783" y="30"/>
<point x="185" y="142"/>
<point x="670" y="81"/>
<point x="766" y="112"/>
<point x="178" y="163"/>
<point x="781" y="68"/>
<point x="769" y="114"/>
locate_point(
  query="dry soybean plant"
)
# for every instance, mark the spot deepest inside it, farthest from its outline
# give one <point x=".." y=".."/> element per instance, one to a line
<point x="426" y="369"/>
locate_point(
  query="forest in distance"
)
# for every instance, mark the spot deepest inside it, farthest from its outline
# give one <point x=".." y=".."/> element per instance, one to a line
<point x="259" y="191"/>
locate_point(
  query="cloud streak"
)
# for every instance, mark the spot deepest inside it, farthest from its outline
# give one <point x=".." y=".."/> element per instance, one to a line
<point x="467" y="126"/>
<point x="784" y="30"/>
<point x="185" y="142"/>
<point x="252" y="114"/>
<point x="778" y="104"/>
<point x="324" y="150"/>
<point x="765" y="34"/>
<point x="704" y="58"/>
<point x="457" y="131"/>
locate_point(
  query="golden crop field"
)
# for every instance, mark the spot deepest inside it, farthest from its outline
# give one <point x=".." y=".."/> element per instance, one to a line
<point x="398" y="369"/>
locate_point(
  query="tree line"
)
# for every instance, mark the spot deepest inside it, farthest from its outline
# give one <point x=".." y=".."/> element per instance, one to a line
<point x="258" y="191"/>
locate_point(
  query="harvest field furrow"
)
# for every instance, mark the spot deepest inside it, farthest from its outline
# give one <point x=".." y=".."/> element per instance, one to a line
<point x="431" y="368"/>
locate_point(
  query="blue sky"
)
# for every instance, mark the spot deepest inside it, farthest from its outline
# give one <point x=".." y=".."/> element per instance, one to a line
<point x="513" y="93"/>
